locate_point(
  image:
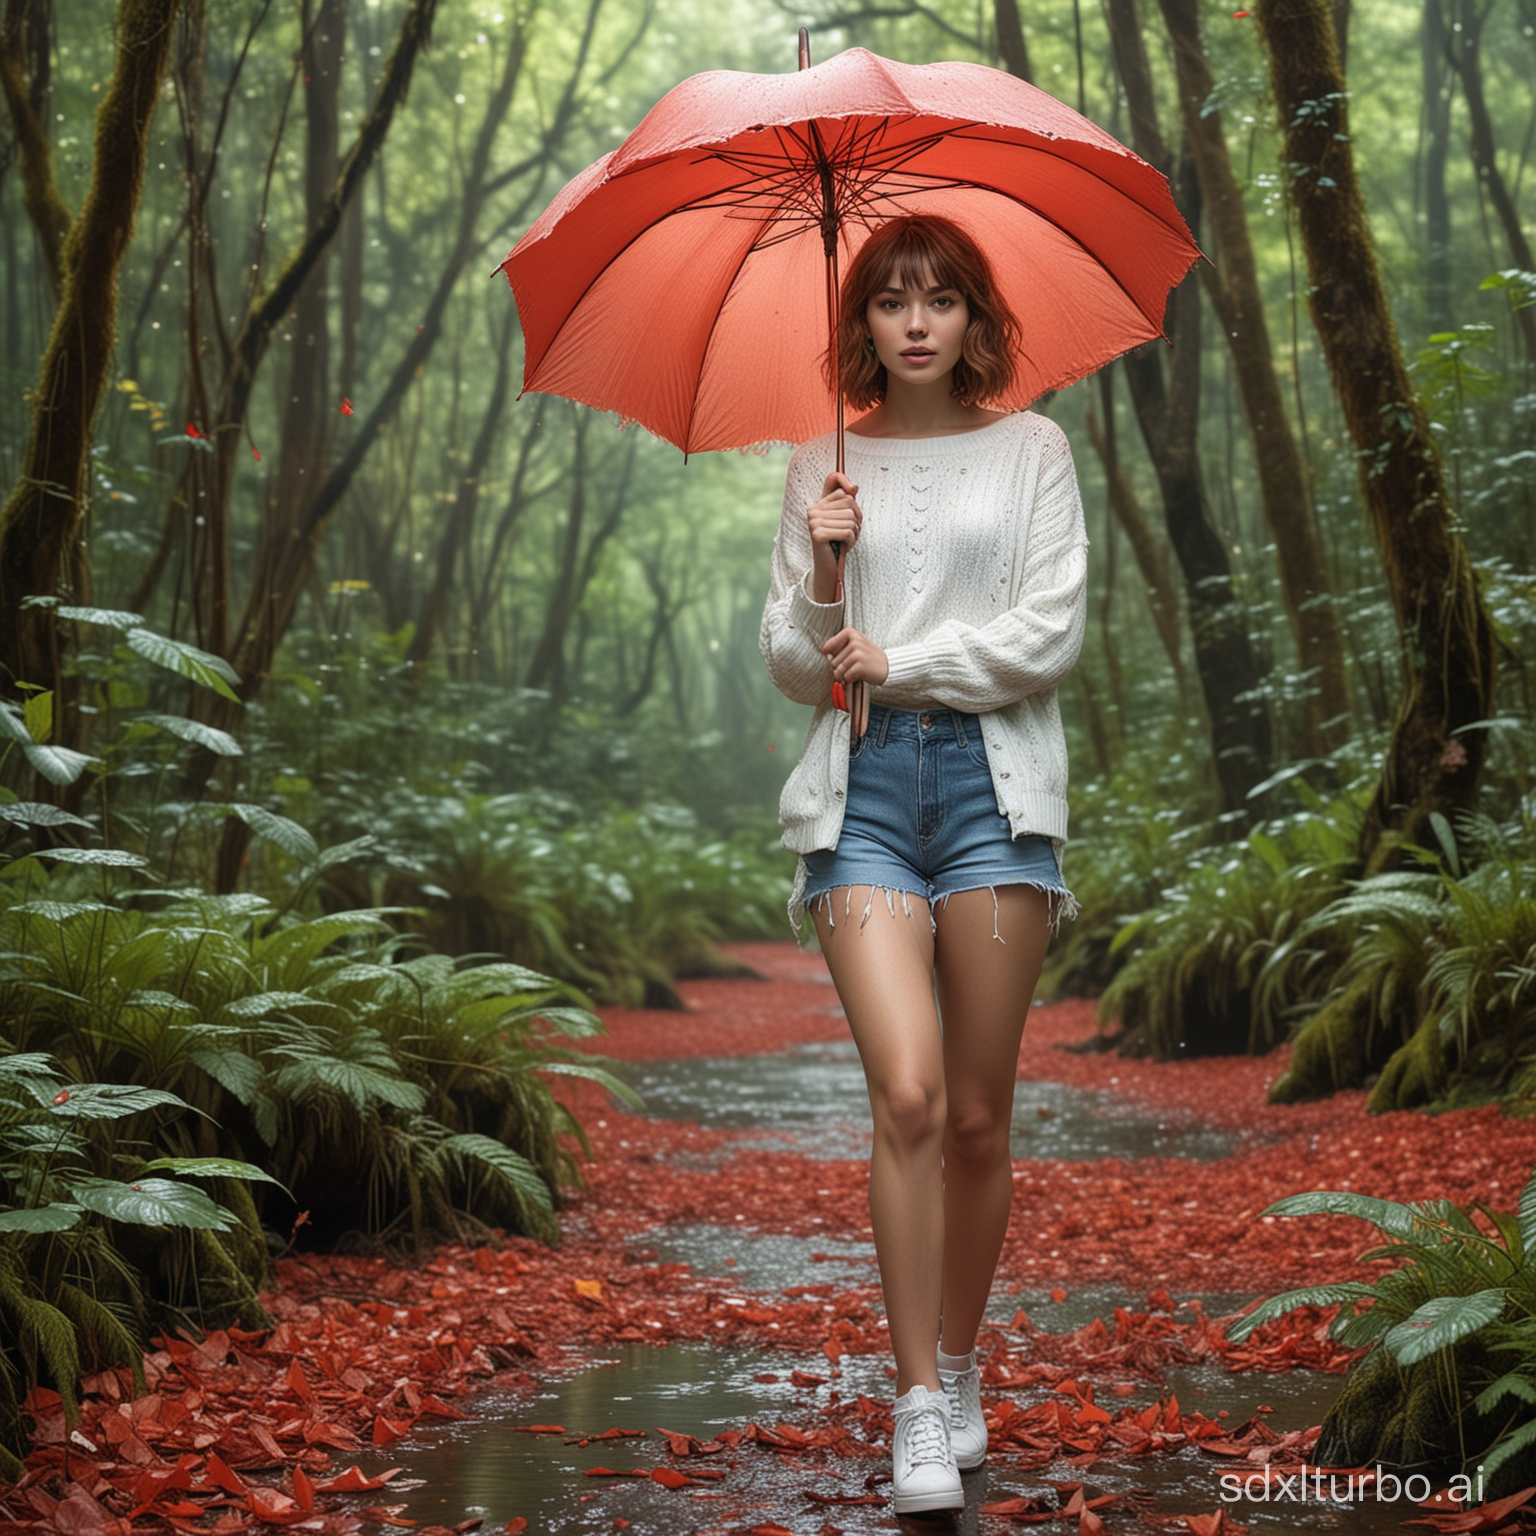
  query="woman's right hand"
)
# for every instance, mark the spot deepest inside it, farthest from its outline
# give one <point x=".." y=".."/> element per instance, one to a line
<point x="835" y="519"/>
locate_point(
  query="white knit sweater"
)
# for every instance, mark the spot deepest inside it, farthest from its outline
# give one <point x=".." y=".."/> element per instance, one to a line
<point x="971" y="572"/>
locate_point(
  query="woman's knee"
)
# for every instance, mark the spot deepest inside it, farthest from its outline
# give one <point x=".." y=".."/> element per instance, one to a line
<point x="908" y="1111"/>
<point x="977" y="1131"/>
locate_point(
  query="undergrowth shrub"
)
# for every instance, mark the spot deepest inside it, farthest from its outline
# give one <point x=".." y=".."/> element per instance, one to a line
<point x="1194" y="975"/>
<point x="1449" y="1385"/>
<point x="1435" y="985"/>
<point x="78" y="1199"/>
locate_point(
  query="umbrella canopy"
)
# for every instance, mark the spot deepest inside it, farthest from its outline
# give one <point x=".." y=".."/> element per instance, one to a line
<point x="679" y="281"/>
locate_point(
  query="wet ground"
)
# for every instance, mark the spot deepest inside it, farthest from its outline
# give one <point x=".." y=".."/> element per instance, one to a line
<point x="808" y="1102"/>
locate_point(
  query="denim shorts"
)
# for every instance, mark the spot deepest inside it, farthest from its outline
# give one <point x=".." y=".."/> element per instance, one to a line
<point x="921" y="819"/>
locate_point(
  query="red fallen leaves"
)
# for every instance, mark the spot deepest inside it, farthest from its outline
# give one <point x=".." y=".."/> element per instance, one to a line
<point x="1486" y="1517"/>
<point x="1218" y="1524"/>
<point x="376" y="1347"/>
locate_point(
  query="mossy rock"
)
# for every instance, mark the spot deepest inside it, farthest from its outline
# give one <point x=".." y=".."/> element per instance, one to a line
<point x="1415" y="1073"/>
<point x="1338" y="1047"/>
<point x="1389" y="1414"/>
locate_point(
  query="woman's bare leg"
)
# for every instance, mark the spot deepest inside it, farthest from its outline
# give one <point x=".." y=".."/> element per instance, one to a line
<point x="985" y="991"/>
<point x="883" y="969"/>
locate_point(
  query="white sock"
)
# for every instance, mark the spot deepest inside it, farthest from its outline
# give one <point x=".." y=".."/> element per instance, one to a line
<point x="956" y="1362"/>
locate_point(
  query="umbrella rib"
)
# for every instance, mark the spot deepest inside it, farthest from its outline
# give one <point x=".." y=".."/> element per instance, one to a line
<point x="1174" y="226"/>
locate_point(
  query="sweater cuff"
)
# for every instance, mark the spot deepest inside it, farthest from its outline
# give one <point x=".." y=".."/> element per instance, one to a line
<point x="908" y="663"/>
<point x="820" y="620"/>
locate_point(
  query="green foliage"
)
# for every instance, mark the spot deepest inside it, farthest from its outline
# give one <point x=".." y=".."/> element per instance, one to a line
<point x="69" y="1300"/>
<point x="1457" y="1303"/>
<point x="1438" y="966"/>
<point x="621" y="902"/>
<point x="1200" y="966"/>
<point x="318" y="1046"/>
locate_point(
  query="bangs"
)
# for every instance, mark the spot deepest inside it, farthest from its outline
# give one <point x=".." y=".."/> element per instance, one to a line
<point x="914" y="253"/>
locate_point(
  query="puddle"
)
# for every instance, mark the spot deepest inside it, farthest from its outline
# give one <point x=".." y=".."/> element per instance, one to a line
<point x="812" y="1100"/>
<point x="761" y="1261"/>
<point x="485" y="1467"/>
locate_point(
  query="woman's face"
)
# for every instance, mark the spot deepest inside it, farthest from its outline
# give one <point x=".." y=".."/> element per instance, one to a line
<point x="918" y="330"/>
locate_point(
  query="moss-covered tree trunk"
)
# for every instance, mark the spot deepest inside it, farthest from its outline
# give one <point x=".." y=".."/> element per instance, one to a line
<point x="40" y="525"/>
<point x="1435" y="759"/>
<point x="1435" y="755"/>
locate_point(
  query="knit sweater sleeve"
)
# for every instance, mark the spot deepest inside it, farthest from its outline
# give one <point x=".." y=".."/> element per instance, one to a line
<point x="1034" y="644"/>
<point x="795" y="626"/>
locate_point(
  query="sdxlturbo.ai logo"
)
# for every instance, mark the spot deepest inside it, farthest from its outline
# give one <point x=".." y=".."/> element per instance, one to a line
<point x="1312" y="1485"/>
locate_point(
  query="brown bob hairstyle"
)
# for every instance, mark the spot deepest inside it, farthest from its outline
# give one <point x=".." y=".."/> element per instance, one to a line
<point x="915" y="249"/>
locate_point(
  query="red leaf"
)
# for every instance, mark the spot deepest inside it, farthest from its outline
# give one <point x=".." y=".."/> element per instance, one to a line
<point x="386" y="1431"/>
<point x="303" y="1489"/>
<point x="516" y="1526"/>
<point x="354" y="1481"/>
<point x="539" y="1429"/>
<point x="298" y="1383"/>
<point x="670" y="1477"/>
<point x="223" y="1477"/>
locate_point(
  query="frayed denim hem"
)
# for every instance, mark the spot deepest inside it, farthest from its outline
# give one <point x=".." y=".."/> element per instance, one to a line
<point x="1060" y="903"/>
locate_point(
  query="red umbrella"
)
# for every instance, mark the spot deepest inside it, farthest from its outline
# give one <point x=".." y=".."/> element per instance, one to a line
<point x="679" y="280"/>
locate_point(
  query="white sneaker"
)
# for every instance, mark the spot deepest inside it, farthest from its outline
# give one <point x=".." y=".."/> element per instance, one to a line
<point x="967" y="1428"/>
<point x="923" y="1471"/>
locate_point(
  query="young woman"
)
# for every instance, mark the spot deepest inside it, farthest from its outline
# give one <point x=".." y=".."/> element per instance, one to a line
<point x="930" y="843"/>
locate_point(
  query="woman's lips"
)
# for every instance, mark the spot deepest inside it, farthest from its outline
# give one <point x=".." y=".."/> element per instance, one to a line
<point x="919" y="356"/>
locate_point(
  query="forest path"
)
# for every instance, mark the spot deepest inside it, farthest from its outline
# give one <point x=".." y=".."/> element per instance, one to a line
<point x="728" y="1222"/>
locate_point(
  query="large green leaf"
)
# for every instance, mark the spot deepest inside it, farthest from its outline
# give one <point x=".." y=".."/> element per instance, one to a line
<point x="600" y="1075"/>
<point x="32" y="813"/>
<point x="1528" y="1219"/>
<point x="196" y="732"/>
<point x="12" y="727"/>
<point x="118" y="858"/>
<point x="115" y="618"/>
<point x="262" y="1004"/>
<point x="61" y="911"/>
<point x="232" y="1070"/>
<point x="1288" y="1301"/>
<point x="287" y="835"/>
<point x="512" y="1166"/>
<point x="59" y="765"/>
<point x="1440" y="1322"/>
<point x="153" y="1203"/>
<point x="186" y="660"/>
<point x="212" y="1168"/>
<point x="1392" y="1217"/>
<point x="26" y="1064"/>
<point x="103" y="1101"/>
<point x="45" y="1218"/>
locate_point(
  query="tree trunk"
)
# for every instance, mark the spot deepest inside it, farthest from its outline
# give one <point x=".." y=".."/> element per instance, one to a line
<point x="266" y="313"/>
<point x="1236" y="296"/>
<point x="1149" y="557"/>
<point x="1466" y="44"/>
<point x="40" y="525"/>
<point x="458" y="528"/>
<point x="1437" y="134"/>
<point x="1241" y="743"/>
<point x="24" y="79"/>
<point x="311" y="408"/>
<point x="1435" y="757"/>
<point x="1010" y="39"/>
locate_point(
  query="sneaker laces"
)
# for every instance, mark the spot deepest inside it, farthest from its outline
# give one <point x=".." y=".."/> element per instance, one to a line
<point x="927" y="1437"/>
<point x="963" y="1389"/>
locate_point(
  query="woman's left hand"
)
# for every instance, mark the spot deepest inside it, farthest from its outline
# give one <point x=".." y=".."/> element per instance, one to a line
<point x="855" y="658"/>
